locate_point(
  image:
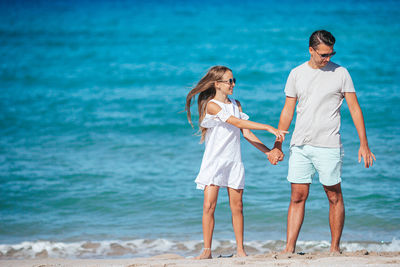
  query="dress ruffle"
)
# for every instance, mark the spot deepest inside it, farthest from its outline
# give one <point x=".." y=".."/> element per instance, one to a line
<point x="210" y="121"/>
<point x="244" y="116"/>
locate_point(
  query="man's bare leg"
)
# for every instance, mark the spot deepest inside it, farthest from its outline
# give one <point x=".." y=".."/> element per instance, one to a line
<point x="336" y="215"/>
<point x="295" y="215"/>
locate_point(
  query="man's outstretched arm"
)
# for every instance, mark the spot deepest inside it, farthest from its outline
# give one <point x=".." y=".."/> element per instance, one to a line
<point x="276" y="154"/>
<point x="358" y="119"/>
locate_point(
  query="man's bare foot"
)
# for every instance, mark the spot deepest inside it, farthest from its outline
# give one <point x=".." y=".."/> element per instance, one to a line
<point x="241" y="253"/>
<point x="335" y="252"/>
<point x="205" y="254"/>
<point x="287" y="251"/>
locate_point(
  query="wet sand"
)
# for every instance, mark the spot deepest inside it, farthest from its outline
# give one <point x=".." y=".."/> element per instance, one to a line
<point x="358" y="258"/>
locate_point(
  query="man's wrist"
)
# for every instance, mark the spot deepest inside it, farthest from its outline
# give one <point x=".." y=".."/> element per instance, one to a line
<point x="278" y="145"/>
<point x="365" y="143"/>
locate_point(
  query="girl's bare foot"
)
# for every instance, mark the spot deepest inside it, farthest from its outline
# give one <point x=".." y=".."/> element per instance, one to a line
<point x="205" y="254"/>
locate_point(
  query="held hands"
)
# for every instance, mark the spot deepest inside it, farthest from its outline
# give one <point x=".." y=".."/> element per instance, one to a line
<point x="369" y="157"/>
<point x="275" y="155"/>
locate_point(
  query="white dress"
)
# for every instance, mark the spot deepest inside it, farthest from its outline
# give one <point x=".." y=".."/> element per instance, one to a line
<point x="222" y="162"/>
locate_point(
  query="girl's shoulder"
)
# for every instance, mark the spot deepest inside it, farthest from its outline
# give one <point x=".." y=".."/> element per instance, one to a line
<point x="213" y="107"/>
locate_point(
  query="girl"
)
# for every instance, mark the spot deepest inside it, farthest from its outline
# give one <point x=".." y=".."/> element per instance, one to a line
<point x="221" y="119"/>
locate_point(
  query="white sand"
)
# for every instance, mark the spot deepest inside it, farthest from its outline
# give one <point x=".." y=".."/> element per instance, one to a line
<point x="359" y="258"/>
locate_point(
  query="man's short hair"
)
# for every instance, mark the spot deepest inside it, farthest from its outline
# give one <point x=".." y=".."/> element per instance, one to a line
<point x="321" y="36"/>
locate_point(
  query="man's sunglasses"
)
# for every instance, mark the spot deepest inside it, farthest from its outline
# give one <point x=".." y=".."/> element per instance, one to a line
<point x="230" y="81"/>
<point x="325" y="55"/>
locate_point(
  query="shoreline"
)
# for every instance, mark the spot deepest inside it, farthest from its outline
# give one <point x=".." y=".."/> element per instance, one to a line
<point x="357" y="258"/>
<point x="147" y="248"/>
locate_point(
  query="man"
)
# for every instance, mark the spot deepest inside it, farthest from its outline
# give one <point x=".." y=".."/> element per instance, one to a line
<point x="318" y="87"/>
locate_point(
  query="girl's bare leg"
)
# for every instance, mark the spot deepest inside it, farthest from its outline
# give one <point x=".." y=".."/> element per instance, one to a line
<point x="210" y="202"/>
<point x="236" y="203"/>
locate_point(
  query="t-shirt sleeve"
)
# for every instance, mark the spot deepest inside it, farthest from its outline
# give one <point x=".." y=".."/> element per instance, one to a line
<point x="347" y="83"/>
<point x="290" y="88"/>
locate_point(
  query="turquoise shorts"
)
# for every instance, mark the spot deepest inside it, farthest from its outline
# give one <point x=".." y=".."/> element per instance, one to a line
<point x="306" y="160"/>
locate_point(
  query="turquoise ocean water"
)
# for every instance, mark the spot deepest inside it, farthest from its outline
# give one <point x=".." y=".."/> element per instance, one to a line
<point x="97" y="159"/>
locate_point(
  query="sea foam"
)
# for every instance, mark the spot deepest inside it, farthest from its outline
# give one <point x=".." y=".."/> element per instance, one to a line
<point x="147" y="247"/>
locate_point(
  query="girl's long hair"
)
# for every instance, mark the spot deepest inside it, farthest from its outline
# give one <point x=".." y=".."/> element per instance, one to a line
<point x="206" y="90"/>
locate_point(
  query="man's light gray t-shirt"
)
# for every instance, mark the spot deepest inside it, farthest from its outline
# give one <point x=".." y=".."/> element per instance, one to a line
<point x="320" y="94"/>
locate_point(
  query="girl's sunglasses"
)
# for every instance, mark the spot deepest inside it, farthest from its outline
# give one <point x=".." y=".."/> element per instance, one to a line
<point x="230" y="81"/>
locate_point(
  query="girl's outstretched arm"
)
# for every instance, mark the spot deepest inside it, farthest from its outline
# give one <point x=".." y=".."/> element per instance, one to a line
<point x="213" y="109"/>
